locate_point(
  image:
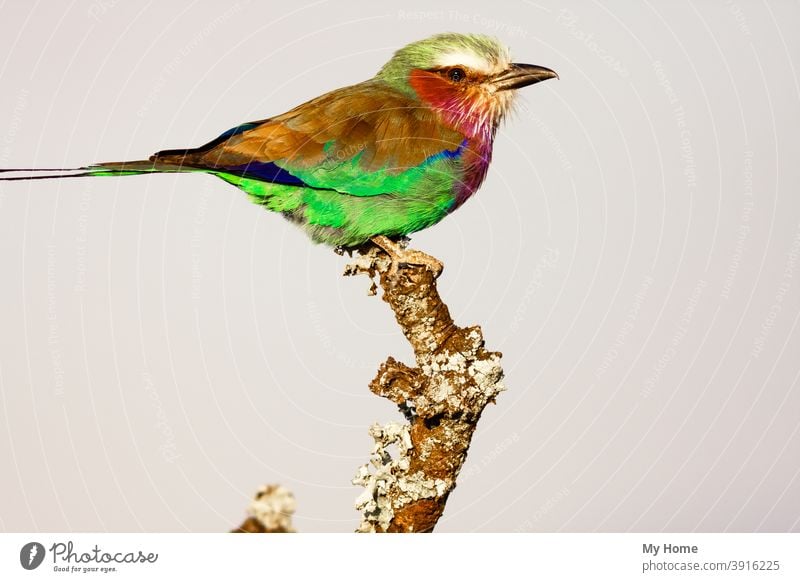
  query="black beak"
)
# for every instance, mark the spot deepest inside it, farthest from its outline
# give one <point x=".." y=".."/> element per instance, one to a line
<point x="519" y="75"/>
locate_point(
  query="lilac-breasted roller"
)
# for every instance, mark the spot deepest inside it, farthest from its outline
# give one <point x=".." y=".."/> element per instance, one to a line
<point x="374" y="161"/>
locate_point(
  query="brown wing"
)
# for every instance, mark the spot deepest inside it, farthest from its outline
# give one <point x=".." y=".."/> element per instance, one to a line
<point x="392" y="130"/>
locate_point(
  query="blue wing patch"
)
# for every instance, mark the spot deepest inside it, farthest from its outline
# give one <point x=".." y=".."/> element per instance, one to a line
<point x="266" y="172"/>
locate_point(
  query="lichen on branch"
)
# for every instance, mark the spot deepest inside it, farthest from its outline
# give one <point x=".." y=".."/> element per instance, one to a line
<point x="270" y="511"/>
<point x="442" y="398"/>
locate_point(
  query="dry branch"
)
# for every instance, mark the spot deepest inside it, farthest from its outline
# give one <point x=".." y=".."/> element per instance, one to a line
<point x="442" y="398"/>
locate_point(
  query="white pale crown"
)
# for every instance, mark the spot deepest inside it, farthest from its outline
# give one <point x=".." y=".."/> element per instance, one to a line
<point x="489" y="65"/>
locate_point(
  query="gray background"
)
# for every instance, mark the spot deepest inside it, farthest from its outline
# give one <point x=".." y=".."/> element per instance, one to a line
<point x="166" y="347"/>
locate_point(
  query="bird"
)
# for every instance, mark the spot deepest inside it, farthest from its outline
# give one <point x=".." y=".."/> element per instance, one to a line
<point x="371" y="162"/>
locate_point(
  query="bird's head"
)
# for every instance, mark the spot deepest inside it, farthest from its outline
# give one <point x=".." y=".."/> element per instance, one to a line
<point x="468" y="79"/>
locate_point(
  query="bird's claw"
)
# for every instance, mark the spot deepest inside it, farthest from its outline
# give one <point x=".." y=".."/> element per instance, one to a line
<point x="400" y="255"/>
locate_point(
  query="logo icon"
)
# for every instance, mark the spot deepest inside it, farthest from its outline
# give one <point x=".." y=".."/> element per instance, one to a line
<point x="31" y="555"/>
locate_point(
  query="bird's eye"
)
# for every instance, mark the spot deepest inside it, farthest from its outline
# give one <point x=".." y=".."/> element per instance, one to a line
<point x="456" y="75"/>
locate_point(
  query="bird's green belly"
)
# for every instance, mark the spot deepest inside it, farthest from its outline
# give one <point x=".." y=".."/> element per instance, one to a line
<point x="340" y="219"/>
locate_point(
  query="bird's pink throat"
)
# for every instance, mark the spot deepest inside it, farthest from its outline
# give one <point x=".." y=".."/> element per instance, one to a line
<point x="459" y="108"/>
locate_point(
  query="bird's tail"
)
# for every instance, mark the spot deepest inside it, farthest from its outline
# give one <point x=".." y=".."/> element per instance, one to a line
<point x="102" y="169"/>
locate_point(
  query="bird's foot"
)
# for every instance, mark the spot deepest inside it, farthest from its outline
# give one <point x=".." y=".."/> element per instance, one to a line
<point x="400" y="255"/>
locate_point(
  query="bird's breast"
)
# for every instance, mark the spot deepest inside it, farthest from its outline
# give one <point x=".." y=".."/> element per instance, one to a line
<point x="476" y="158"/>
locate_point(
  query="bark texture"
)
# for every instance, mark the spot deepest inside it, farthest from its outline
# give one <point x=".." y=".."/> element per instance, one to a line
<point x="414" y="465"/>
